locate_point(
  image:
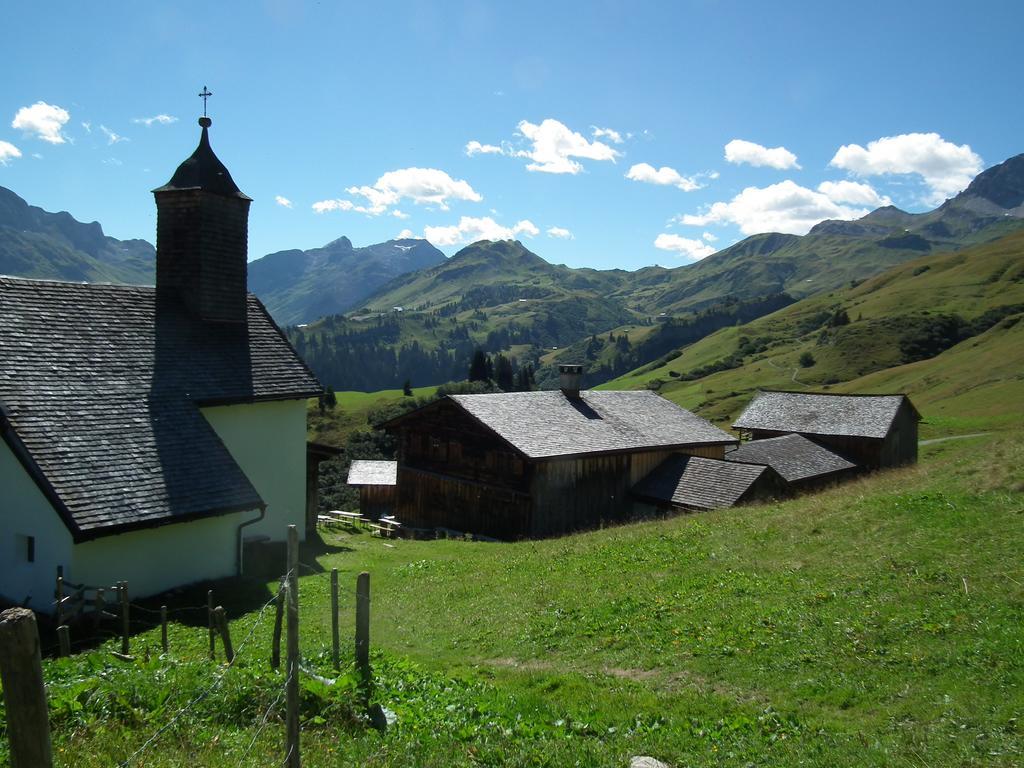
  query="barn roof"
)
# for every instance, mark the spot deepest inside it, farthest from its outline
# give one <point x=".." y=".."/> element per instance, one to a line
<point x="818" y="413"/>
<point x="364" y="472"/>
<point x="793" y="456"/>
<point x="546" y="424"/>
<point x="100" y="396"/>
<point x="699" y="483"/>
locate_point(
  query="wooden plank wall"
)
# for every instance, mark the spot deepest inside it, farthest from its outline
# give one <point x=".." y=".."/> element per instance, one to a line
<point x="432" y="500"/>
<point x="377" y="500"/>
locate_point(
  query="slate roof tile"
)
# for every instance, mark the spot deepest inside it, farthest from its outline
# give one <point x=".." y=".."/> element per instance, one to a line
<point x="545" y="424"/>
<point x="821" y="414"/>
<point x="794" y="457"/>
<point x="103" y="393"/>
<point x="364" y="472"/>
<point x="698" y="483"/>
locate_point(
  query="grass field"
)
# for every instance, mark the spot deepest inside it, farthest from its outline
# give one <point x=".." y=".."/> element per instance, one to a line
<point x="878" y="623"/>
<point x="335" y="425"/>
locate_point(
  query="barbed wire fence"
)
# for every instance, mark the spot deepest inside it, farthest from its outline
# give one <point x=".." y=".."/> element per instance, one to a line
<point x="34" y="730"/>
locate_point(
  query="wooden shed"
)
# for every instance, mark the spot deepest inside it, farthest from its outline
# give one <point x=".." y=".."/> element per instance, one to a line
<point x="800" y="462"/>
<point x="528" y="464"/>
<point x="377" y="482"/>
<point x="872" y="431"/>
<point x="696" y="483"/>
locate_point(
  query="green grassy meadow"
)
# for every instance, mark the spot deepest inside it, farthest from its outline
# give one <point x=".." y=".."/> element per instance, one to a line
<point x="877" y="623"/>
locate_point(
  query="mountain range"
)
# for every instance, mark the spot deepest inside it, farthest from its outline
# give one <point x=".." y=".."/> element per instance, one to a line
<point x="55" y="246"/>
<point x="406" y="302"/>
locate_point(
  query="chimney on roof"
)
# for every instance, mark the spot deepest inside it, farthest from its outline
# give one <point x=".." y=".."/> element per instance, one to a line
<point x="202" y="237"/>
<point x="570" y="376"/>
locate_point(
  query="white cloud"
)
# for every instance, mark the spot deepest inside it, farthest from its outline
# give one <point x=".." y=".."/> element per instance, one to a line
<point x="664" y="176"/>
<point x="783" y="207"/>
<point x="284" y="202"/>
<point x="710" y="237"/>
<point x="684" y="246"/>
<point x="87" y="126"/>
<point x="470" y="229"/>
<point x="325" y="206"/>
<point x="560" y="233"/>
<point x="160" y="119"/>
<point x="399" y="214"/>
<point x="854" y="193"/>
<point x="8" y="152"/>
<point x="554" y="145"/>
<point x="476" y="148"/>
<point x="945" y="167"/>
<point x="406" y="234"/>
<point x="112" y="138"/>
<point x="606" y="133"/>
<point x="44" y="120"/>
<point x="424" y="186"/>
<point x="739" y="151"/>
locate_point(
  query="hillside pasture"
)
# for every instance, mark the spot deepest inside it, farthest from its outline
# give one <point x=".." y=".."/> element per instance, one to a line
<point x="877" y="624"/>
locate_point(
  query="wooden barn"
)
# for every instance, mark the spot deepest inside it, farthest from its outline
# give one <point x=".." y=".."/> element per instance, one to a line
<point x="801" y="463"/>
<point x="873" y="431"/>
<point x="527" y="464"/>
<point x="696" y="483"/>
<point x="377" y="482"/>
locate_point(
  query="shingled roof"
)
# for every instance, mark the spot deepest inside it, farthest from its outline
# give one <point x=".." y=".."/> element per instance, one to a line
<point x="546" y="424"/>
<point x="698" y="483"/>
<point x="100" y="395"/>
<point x="364" y="472"/>
<point x="794" y="457"/>
<point x="821" y="414"/>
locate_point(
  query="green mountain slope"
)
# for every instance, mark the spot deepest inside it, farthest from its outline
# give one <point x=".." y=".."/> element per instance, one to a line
<point x="301" y="286"/>
<point x="55" y="246"/>
<point x="495" y="295"/>
<point x="939" y="327"/>
<point x="506" y="281"/>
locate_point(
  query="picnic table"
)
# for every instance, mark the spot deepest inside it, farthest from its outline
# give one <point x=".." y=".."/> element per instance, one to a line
<point x="387" y="526"/>
<point x="340" y="517"/>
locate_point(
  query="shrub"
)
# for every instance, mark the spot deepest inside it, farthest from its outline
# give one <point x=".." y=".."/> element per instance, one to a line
<point x="807" y="360"/>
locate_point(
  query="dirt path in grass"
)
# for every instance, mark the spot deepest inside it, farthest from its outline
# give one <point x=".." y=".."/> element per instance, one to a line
<point x="663" y="679"/>
<point x="952" y="437"/>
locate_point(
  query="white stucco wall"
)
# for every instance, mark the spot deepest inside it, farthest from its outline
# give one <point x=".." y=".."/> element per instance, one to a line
<point x="268" y="440"/>
<point x="24" y="511"/>
<point x="157" y="559"/>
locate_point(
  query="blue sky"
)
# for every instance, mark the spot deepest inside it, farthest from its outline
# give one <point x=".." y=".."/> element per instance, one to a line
<point x="604" y="134"/>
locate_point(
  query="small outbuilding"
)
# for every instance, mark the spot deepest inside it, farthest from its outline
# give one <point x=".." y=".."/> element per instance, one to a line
<point x="377" y="482"/>
<point x="800" y="462"/>
<point x="873" y="431"/>
<point x="697" y="483"/>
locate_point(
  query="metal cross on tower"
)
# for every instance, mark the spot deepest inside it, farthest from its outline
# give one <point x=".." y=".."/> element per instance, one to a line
<point x="204" y="96"/>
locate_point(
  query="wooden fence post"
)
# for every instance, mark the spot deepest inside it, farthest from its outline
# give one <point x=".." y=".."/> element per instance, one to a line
<point x="275" y="651"/>
<point x="335" y="639"/>
<point x="21" y="674"/>
<point x="292" y="757"/>
<point x="163" y="628"/>
<point x="100" y="607"/>
<point x="125" y="618"/>
<point x="363" y="626"/>
<point x="64" y="638"/>
<point x="209" y="619"/>
<point x="220" y="619"/>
